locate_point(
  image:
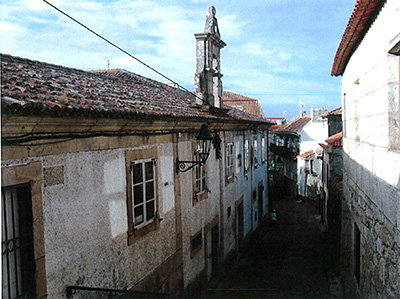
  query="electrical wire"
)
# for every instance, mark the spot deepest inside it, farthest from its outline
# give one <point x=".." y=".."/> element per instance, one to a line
<point x="120" y="49"/>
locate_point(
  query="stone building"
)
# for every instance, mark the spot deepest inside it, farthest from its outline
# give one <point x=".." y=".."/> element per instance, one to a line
<point x="335" y="122"/>
<point x="368" y="61"/>
<point x="90" y="167"/>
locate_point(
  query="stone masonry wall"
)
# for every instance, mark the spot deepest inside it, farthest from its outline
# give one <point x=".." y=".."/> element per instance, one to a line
<point x="380" y="244"/>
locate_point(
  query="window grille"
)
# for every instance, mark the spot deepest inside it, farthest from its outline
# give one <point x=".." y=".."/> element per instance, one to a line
<point x="18" y="265"/>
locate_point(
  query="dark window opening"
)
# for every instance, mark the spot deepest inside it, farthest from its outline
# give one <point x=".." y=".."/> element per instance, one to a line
<point x="196" y="243"/>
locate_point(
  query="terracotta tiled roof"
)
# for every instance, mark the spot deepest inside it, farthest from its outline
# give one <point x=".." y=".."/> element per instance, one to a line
<point x="38" y="88"/>
<point x="306" y="154"/>
<point x="274" y="127"/>
<point x="295" y="125"/>
<point x="364" y="14"/>
<point x="336" y="111"/>
<point x="249" y="105"/>
<point x="335" y="140"/>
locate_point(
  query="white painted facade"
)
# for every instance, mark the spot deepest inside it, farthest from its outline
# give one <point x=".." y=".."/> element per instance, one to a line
<point x="370" y="90"/>
<point x="313" y="133"/>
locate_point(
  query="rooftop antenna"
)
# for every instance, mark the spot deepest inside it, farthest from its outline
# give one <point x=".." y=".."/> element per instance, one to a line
<point x="302" y="112"/>
<point x="108" y="64"/>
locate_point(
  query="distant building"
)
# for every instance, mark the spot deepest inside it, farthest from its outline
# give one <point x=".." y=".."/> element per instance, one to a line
<point x="368" y="61"/>
<point x="277" y="120"/>
<point x="331" y="195"/>
<point x="335" y="123"/>
<point x="285" y="146"/>
<point x="303" y="134"/>
<point x="242" y="103"/>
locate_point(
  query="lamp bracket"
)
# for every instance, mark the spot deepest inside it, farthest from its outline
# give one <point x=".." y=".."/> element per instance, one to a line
<point x="182" y="167"/>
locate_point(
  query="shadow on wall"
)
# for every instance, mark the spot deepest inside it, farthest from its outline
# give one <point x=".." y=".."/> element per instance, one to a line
<point x="372" y="208"/>
<point x="382" y="194"/>
<point x="305" y="137"/>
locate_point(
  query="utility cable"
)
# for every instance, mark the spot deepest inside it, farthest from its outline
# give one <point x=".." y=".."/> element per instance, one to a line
<point x="119" y="48"/>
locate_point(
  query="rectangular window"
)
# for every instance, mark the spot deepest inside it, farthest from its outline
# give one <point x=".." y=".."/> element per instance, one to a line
<point x="229" y="160"/>
<point x="200" y="173"/>
<point x="196" y="243"/>
<point x="143" y="192"/>
<point x="255" y="152"/>
<point x="263" y="149"/>
<point x="246" y="156"/>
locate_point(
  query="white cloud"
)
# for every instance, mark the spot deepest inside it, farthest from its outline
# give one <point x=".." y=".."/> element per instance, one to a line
<point x="260" y="58"/>
<point x="38" y="4"/>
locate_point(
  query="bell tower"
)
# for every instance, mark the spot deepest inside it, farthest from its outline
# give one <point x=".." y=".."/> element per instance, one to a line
<point x="207" y="80"/>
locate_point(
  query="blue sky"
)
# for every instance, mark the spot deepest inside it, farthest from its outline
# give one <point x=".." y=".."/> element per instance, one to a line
<point x="278" y="51"/>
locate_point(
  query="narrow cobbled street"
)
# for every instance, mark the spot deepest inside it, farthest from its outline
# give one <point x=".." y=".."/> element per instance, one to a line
<point x="285" y="260"/>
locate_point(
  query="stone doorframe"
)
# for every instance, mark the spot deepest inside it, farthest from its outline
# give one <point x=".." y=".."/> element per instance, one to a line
<point x="31" y="174"/>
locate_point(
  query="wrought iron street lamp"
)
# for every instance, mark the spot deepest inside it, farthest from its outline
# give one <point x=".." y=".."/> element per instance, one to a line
<point x="202" y="152"/>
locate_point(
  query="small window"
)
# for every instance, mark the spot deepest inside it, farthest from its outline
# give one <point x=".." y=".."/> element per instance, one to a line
<point x="200" y="178"/>
<point x="263" y="149"/>
<point x="246" y="156"/>
<point x="143" y="192"/>
<point x="196" y="243"/>
<point x="255" y="152"/>
<point x="229" y="161"/>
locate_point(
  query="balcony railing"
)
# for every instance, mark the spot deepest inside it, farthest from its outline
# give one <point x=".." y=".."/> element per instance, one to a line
<point x="285" y="152"/>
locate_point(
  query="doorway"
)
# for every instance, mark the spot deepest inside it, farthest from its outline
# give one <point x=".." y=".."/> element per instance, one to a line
<point x="212" y="247"/>
<point x="238" y="227"/>
<point x="18" y="264"/>
<point x="357" y="253"/>
<point x="260" y="204"/>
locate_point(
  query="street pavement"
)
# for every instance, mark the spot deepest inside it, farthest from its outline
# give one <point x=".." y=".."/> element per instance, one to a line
<point x="286" y="260"/>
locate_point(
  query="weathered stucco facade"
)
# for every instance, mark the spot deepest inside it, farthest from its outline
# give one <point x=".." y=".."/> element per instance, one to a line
<point x="90" y="161"/>
<point x="371" y="157"/>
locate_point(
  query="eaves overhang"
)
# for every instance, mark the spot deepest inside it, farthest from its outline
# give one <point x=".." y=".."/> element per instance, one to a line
<point x="286" y="133"/>
<point x="361" y="19"/>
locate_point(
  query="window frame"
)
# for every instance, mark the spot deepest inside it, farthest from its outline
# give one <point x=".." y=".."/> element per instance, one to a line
<point x="195" y="247"/>
<point x="136" y="232"/>
<point x="229" y="161"/>
<point x="263" y="152"/>
<point x="144" y="182"/>
<point x="202" y="170"/>
<point x="246" y="154"/>
<point x="255" y="152"/>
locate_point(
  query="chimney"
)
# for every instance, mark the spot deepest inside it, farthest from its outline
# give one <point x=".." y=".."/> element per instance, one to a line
<point x="207" y="80"/>
<point x="302" y="111"/>
<point x="316" y="113"/>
